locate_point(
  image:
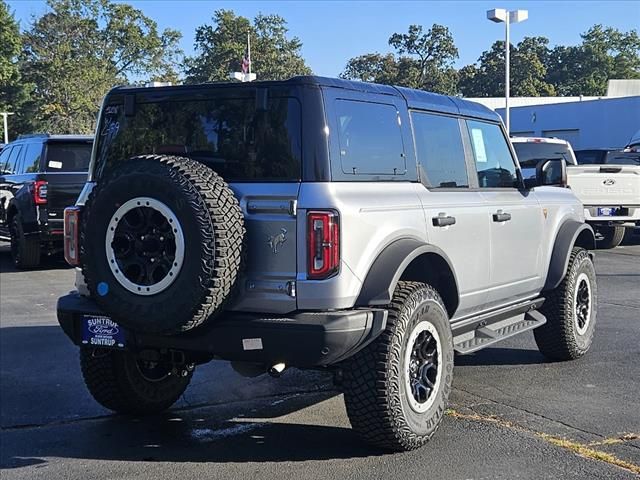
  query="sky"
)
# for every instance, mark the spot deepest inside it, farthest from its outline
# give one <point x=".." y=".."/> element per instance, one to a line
<point x="334" y="31"/>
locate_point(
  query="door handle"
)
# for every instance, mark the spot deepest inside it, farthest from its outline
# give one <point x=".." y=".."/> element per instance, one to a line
<point x="500" y="216"/>
<point x="443" y="221"/>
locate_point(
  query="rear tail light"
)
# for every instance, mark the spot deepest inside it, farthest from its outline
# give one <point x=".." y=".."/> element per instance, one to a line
<point x="71" y="228"/>
<point x="40" y="188"/>
<point x="323" y="244"/>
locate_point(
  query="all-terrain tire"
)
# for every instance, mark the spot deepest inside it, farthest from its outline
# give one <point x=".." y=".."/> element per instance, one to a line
<point x="611" y="237"/>
<point x="376" y="379"/>
<point x="115" y="381"/>
<point x="570" y="326"/>
<point x="211" y="230"/>
<point x="25" y="251"/>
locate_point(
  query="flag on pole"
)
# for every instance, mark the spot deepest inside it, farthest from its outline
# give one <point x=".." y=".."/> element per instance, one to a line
<point x="246" y="62"/>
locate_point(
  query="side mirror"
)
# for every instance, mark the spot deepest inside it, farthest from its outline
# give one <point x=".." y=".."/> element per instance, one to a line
<point x="552" y="172"/>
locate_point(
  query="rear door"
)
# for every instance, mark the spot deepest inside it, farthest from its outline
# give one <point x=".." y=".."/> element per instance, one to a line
<point x="515" y="217"/>
<point x="456" y="215"/>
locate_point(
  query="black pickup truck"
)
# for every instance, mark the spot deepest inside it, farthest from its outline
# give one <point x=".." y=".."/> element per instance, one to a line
<point x="40" y="175"/>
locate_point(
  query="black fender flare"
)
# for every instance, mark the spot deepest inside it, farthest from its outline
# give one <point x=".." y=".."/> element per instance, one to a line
<point x="388" y="267"/>
<point x="570" y="233"/>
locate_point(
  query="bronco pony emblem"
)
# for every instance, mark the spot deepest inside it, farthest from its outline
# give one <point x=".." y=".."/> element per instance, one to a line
<point x="275" y="241"/>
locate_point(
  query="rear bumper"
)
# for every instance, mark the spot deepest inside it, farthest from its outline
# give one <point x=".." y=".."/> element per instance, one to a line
<point x="626" y="214"/>
<point x="306" y="339"/>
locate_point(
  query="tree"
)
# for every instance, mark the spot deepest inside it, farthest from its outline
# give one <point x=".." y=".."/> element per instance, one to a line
<point x="78" y="50"/>
<point x="13" y="92"/>
<point x="220" y="47"/>
<point x="605" y="53"/>
<point x="528" y="71"/>
<point x="422" y="60"/>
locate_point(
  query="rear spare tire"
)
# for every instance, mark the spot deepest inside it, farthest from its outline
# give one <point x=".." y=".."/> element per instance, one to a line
<point x="161" y="243"/>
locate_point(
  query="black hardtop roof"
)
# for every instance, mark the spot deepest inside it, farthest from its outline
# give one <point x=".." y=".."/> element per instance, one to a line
<point x="418" y="99"/>
<point x="56" y="138"/>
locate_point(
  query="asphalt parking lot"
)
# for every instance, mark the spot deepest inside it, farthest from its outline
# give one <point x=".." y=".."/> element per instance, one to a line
<point x="512" y="414"/>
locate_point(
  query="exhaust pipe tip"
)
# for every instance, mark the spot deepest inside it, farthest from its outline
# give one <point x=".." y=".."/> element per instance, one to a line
<point x="276" y="370"/>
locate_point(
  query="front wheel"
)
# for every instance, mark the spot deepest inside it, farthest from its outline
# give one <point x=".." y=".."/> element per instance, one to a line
<point x="570" y="309"/>
<point x="124" y="383"/>
<point x="396" y="389"/>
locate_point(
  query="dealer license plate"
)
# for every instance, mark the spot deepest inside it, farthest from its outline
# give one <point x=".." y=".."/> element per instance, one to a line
<point x="101" y="331"/>
<point x="607" y="211"/>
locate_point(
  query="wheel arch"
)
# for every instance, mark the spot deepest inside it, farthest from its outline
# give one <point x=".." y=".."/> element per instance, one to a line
<point x="411" y="260"/>
<point x="570" y="234"/>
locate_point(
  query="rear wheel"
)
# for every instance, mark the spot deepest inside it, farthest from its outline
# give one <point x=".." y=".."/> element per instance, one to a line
<point x="570" y="310"/>
<point x="124" y="383"/>
<point x="25" y="251"/>
<point x="396" y="389"/>
<point x="611" y="237"/>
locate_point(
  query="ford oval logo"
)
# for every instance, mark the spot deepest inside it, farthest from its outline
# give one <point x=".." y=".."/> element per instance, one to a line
<point x="608" y="182"/>
<point x="103" y="329"/>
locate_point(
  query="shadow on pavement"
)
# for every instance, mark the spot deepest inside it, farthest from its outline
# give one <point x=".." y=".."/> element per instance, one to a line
<point x="501" y="356"/>
<point x="200" y="435"/>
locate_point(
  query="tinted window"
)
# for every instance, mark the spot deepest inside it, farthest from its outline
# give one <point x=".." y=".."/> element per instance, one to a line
<point x="68" y="157"/>
<point x="232" y="136"/>
<point x="493" y="159"/>
<point x="12" y="165"/>
<point x="32" y="156"/>
<point x="531" y="153"/>
<point x="370" y="138"/>
<point x="4" y="156"/>
<point x="623" y="158"/>
<point x="440" y="150"/>
<point x="588" y="157"/>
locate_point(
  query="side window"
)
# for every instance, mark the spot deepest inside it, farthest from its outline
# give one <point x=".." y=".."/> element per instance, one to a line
<point x="32" y="156"/>
<point x="494" y="163"/>
<point x="4" y="156"/>
<point x="440" y="150"/>
<point x="370" y="138"/>
<point x="12" y="162"/>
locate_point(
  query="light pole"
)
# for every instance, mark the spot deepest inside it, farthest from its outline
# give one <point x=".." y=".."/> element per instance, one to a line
<point x="4" y="121"/>
<point x="514" y="16"/>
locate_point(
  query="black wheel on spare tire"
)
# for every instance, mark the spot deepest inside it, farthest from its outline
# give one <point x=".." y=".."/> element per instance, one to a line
<point x="161" y="243"/>
<point x="396" y="389"/>
<point x="571" y="310"/>
<point x="119" y="381"/>
<point x="25" y="251"/>
<point x="611" y="237"/>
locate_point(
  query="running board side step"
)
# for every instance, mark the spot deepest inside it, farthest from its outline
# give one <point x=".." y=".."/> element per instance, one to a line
<point x="480" y="332"/>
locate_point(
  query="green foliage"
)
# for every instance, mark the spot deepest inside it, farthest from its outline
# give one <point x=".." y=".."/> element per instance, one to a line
<point x="78" y="50"/>
<point x="221" y="46"/>
<point x="422" y="60"/>
<point x="537" y="70"/>
<point x="13" y="92"/>
<point x="528" y="71"/>
<point x="605" y="53"/>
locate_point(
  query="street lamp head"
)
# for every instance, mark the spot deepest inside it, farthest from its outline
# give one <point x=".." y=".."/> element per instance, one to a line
<point x="497" y="15"/>
<point x="517" y="16"/>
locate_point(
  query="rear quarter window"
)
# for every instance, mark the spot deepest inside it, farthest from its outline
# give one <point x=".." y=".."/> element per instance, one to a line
<point x="370" y="138"/>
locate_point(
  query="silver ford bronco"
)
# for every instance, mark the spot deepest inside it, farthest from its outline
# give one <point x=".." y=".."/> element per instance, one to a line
<point x="317" y="223"/>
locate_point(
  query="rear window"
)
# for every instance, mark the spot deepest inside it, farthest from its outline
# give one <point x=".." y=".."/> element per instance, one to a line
<point x="530" y="153"/>
<point x="239" y="141"/>
<point x="68" y="157"/>
<point x="623" y="158"/>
